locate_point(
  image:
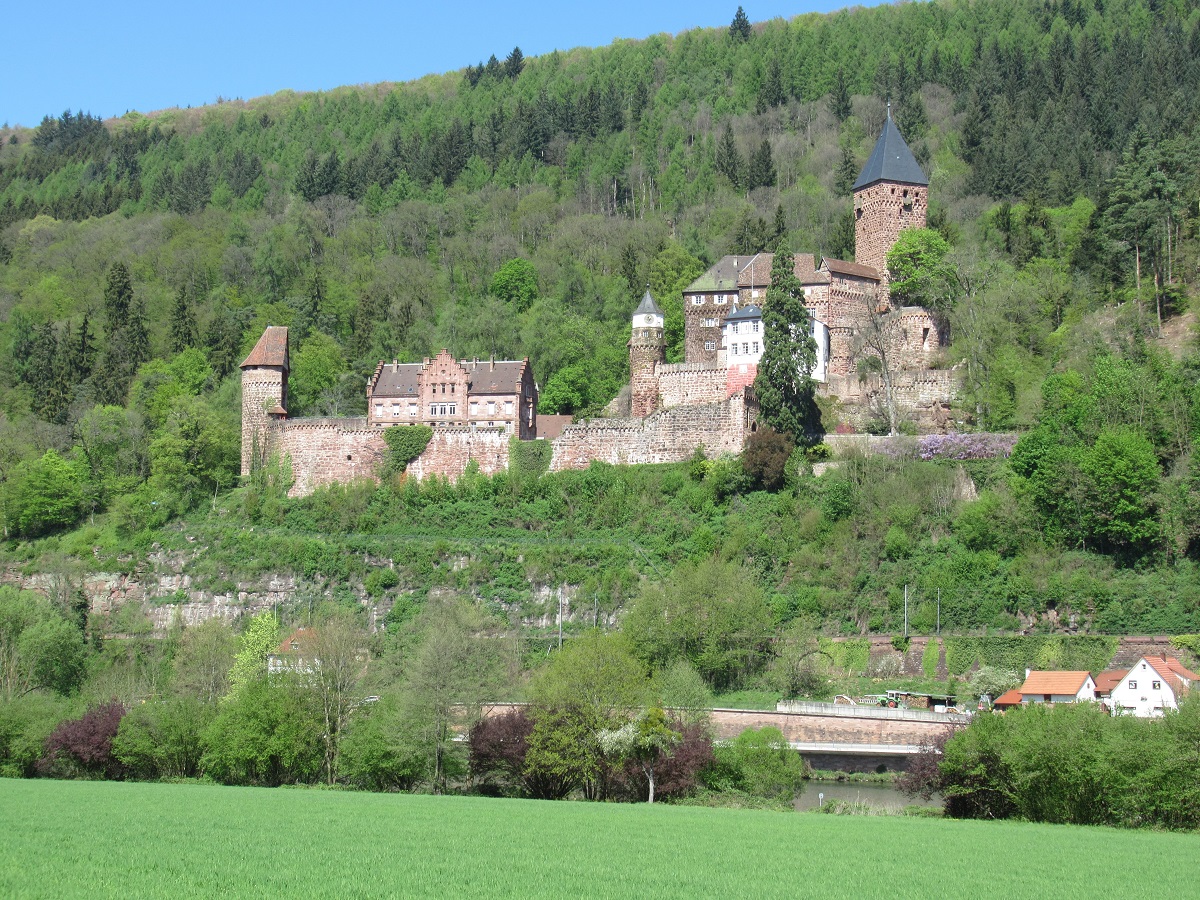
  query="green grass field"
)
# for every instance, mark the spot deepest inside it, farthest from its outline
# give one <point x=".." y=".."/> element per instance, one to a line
<point x="101" y="839"/>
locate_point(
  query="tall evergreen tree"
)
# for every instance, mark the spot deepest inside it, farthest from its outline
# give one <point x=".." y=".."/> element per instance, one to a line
<point x="514" y="63"/>
<point x="729" y="161"/>
<point x="784" y="383"/>
<point x="762" y="167"/>
<point x="739" y="28"/>
<point x="770" y="92"/>
<point x="839" y="97"/>
<point x="138" y="339"/>
<point x="83" y="352"/>
<point x="118" y="294"/>
<point x="183" y="322"/>
<point x="779" y="226"/>
<point x="847" y="173"/>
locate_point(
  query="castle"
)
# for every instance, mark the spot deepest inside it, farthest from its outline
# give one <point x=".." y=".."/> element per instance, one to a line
<point x="723" y="316"/>
<point x="477" y="407"/>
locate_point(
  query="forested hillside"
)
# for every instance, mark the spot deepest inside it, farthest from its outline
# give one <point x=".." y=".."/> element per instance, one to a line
<point x="518" y="207"/>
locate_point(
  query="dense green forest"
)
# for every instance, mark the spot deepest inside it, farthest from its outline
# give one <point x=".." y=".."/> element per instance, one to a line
<point x="518" y="207"/>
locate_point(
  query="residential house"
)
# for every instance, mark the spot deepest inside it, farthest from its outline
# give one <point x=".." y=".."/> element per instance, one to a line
<point x="1057" y="687"/>
<point x="1153" y="685"/>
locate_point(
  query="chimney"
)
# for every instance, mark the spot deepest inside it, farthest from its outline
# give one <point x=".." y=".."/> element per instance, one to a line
<point x="395" y="365"/>
<point x="492" y="363"/>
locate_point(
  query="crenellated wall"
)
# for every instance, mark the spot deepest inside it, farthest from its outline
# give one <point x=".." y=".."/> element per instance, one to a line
<point x="451" y="449"/>
<point x="671" y="435"/>
<point x="686" y="384"/>
<point x="323" y="451"/>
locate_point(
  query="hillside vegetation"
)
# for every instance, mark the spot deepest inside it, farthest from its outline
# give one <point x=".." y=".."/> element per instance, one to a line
<point x="519" y="207"/>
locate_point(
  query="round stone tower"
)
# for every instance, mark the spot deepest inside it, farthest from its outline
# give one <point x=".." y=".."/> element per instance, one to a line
<point x="264" y="394"/>
<point x="647" y="348"/>
<point x="891" y="194"/>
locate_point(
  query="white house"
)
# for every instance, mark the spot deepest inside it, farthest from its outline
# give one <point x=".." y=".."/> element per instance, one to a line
<point x="1057" y="687"/>
<point x="1153" y="685"/>
<point x="742" y="341"/>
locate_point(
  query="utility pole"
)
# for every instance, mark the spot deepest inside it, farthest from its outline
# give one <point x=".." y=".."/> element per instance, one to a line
<point x="906" y="610"/>
<point x="560" y="621"/>
<point x="939" y="622"/>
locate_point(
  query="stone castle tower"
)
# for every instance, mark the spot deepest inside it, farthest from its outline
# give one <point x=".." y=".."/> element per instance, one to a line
<point x="647" y="348"/>
<point x="264" y="393"/>
<point x="891" y="194"/>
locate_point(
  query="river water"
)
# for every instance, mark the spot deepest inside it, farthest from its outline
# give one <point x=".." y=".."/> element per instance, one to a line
<point x="882" y="795"/>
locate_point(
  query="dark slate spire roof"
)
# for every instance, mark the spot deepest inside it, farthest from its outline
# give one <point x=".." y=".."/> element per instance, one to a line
<point x="891" y="160"/>
<point x="648" y="307"/>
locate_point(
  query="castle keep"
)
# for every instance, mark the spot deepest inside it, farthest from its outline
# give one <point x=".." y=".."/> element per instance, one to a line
<point x="477" y="407"/>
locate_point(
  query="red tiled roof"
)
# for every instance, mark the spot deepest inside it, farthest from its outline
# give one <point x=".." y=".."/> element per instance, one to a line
<point x="301" y="636"/>
<point x="856" y="270"/>
<point x="271" y="349"/>
<point x="551" y="426"/>
<point x="1054" y="682"/>
<point x="1106" y="681"/>
<point x="1169" y="664"/>
<point x="1009" y="698"/>
<point x="757" y="272"/>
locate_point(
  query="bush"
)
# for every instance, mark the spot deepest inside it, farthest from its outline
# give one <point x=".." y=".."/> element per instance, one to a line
<point x="405" y="443"/>
<point x="758" y="762"/>
<point x="83" y="747"/>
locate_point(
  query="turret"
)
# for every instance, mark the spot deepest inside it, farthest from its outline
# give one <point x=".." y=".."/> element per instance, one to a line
<point x="891" y="194"/>
<point x="647" y="348"/>
<point x="264" y="394"/>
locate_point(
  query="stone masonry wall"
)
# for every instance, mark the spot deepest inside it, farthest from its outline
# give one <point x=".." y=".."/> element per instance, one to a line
<point x="451" y="449"/>
<point x="323" y="451"/>
<point x="923" y="394"/>
<point x="667" y="436"/>
<point x="262" y="389"/>
<point x="881" y="211"/>
<point x="687" y="384"/>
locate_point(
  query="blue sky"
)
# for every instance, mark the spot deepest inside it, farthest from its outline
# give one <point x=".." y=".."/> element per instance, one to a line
<point x="106" y="58"/>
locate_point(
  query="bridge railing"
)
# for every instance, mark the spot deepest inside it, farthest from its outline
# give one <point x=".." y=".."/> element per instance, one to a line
<point x="813" y="708"/>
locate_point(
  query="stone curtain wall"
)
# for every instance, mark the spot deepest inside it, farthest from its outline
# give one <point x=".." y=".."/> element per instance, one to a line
<point x="923" y="394"/>
<point x="687" y="384"/>
<point x="323" y="451"/>
<point x="668" y="436"/>
<point x="451" y="449"/>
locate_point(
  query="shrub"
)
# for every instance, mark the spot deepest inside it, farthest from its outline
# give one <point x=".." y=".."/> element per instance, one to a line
<point x="405" y="443"/>
<point x="529" y="459"/>
<point x="83" y="747"/>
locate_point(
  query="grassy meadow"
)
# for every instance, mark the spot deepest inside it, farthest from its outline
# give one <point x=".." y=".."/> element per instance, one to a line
<point x="64" y="839"/>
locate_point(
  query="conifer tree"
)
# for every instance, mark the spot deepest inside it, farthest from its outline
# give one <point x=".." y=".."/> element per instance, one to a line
<point x="183" y="322"/>
<point x="779" y="226"/>
<point x="739" y="28"/>
<point x="514" y="63"/>
<point x="784" y="384"/>
<point x="847" y="173"/>
<point x="118" y="293"/>
<point x="137" y="342"/>
<point x="762" y="167"/>
<point x="83" y="352"/>
<point x="729" y="161"/>
<point x="770" y="92"/>
<point x="839" y="97"/>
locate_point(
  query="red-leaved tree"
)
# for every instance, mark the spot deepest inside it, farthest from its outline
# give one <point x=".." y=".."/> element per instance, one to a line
<point x="82" y="748"/>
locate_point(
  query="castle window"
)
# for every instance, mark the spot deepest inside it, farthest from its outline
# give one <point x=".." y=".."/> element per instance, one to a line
<point x="710" y="345"/>
<point x="432" y="409"/>
<point x="754" y="327"/>
<point x="491" y="408"/>
<point x="442" y="410"/>
<point x="452" y="387"/>
<point x="474" y="407"/>
<point x="508" y="407"/>
<point x="698" y="300"/>
<point x="719" y="299"/>
<point x="395" y="410"/>
<point x="756" y="346"/>
<point x="453" y="409"/>
<point x="733" y="328"/>
<point x="412" y="409"/>
<point x="710" y="323"/>
<point x="746" y="348"/>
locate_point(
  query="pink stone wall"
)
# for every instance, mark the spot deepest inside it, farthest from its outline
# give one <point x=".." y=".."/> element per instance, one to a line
<point x="451" y="449"/>
<point x="686" y="384"/>
<point x="668" y="436"/>
<point x="323" y="451"/>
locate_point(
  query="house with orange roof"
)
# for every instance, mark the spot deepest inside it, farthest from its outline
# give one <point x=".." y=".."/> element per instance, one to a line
<point x="1008" y="700"/>
<point x="1154" y="685"/>
<point x="1057" y="687"/>
<point x="294" y="653"/>
<point x="1106" y="681"/>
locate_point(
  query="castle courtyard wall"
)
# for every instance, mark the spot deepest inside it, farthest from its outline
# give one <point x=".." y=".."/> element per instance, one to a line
<point x="688" y="384"/>
<point x="667" y="436"/>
